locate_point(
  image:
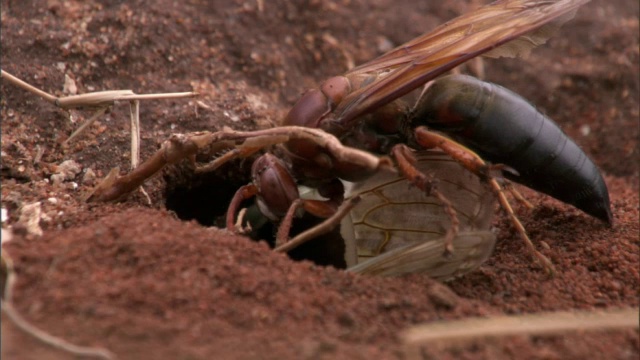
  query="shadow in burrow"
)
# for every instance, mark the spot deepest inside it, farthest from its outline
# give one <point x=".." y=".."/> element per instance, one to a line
<point x="204" y="197"/>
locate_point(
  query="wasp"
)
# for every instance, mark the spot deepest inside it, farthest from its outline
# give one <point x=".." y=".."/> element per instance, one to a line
<point x="360" y="124"/>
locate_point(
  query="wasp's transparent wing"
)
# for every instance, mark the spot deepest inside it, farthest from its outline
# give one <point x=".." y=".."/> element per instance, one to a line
<point x="503" y="28"/>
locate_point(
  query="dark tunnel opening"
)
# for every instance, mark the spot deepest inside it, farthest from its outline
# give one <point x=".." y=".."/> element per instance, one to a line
<point x="205" y="198"/>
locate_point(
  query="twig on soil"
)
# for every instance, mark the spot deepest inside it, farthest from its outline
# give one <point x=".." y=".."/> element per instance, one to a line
<point x="46" y="338"/>
<point x="100" y="101"/>
<point x="51" y="340"/>
<point x="448" y="332"/>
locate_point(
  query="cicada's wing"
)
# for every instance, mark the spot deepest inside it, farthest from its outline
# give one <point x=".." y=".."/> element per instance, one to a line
<point x="393" y="223"/>
<point x="472" y="249"/>
<point x="503" y="28"/>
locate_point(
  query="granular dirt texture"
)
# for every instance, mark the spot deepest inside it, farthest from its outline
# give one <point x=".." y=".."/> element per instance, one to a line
<point x="147" y="282"/>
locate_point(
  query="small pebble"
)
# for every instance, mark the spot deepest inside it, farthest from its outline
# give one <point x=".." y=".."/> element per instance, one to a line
<point x="585" y="130"/>
<point x="89" y="177"/>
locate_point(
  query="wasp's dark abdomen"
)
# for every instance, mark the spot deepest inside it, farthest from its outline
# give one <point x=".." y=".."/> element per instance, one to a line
<point x="504" y="128"/>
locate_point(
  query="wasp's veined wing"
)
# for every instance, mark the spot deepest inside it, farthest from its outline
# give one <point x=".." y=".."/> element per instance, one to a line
<point x="502" y="28"/>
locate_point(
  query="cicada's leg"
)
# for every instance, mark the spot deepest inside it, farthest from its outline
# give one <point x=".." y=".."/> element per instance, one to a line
<point x="407" y="166"/>
<point x="474" y="163"/>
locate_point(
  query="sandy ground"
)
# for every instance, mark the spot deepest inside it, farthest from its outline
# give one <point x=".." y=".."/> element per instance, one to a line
<point x="148" y="281"/>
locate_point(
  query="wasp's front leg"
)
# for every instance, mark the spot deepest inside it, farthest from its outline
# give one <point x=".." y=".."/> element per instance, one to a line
<point x="242" y="144"/>
<point x="176" y="148"/>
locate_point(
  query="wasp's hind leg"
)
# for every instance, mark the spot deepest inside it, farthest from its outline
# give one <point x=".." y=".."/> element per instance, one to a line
<point x="406" y="163"/>
<point x="474" y="163"/>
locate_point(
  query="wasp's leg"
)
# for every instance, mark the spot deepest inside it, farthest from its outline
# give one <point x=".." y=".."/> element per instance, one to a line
<point x="278" y="197"/>
<point x="181" y="146"/>
<point x="282" y="236"/>
<point x="174" y="149"/>
<point x="243" y="193"/>
<point x="474" y="163"/>
<point x="407" y="166"/>
<point x="319" y="208"/>
<point x="508" y="185"/>
<point x="324" y="209"/>
<point x="322" y="228"/>
<point x="226" y="157"/>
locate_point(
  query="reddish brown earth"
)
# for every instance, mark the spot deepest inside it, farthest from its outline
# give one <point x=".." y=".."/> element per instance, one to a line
<point x="134" y="279"/>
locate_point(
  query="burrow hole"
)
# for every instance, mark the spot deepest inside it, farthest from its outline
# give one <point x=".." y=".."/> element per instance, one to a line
<point x="205" y="198"/>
